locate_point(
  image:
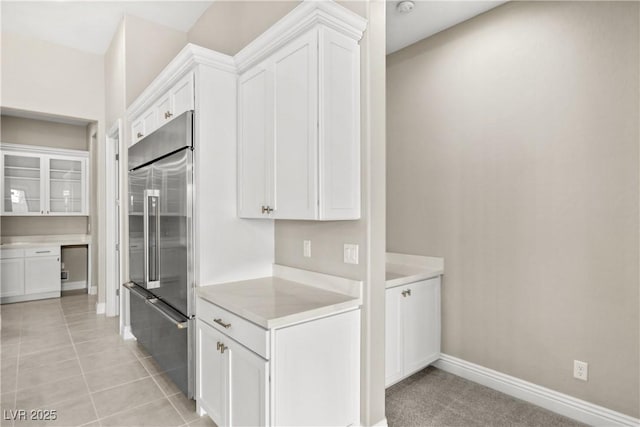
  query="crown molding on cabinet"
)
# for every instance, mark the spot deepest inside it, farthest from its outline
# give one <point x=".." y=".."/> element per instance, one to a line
<point x="186" y="59"/>
<point x="301" y="19"/>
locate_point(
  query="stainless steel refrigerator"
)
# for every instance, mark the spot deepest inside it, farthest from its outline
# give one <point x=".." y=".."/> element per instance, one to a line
<point x="161" y="248"/>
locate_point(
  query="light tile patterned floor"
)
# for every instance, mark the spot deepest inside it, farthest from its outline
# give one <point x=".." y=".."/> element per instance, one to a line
<point x="57" y="354"/>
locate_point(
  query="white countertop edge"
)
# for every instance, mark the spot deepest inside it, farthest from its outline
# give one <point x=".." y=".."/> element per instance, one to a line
<point x="431" y="262"/>
<point x="10" y="242"/>
<point x="327" y="282"/>
<point x="426" y="274"/>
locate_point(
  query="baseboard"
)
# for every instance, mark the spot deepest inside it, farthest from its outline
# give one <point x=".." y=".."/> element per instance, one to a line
<point x="560" y="403"/>
<point x="101" y="308"/>
<point x="126" y="333"/>
<point x="93" y="290"/>
<point x="381" y="423"/>
<point x="71" y="286"/>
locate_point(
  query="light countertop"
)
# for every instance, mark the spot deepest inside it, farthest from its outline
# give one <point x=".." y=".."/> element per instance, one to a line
<point x="24" y="242"/>
<point x="272" y="302"/>
<point x="402" y="269"/>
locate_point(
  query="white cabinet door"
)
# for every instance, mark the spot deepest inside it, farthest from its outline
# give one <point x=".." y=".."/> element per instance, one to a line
<point x="182" y="96"/>
<point x="67" y="186"/>
<point x="295" y="71"/>
<point x="137" y="131"/>
<point x="42" y="274"/>
<point x="339" y="118"/>
<point x="150" y="120"/>
<point x="12" y="277"/>
<point x="23" y="184"/>
<point x="421" y="326"/>
<point x="248" y="386"/>
<point x="211" y="374"/>
<point x="255" y="142"/>
<point x="393" y="335"/>
<point x="164" y="109"/>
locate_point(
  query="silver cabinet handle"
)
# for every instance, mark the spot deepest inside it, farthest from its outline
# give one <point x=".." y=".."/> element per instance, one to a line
<point x="42" y="252"/>
<point x="221" y="323"/>
<point x="406" y="293"/>
<point x="139" y="135"/>
<point x="168" y="114"/>
<point x="221" y="347"/>
<point x="267" y="209"/>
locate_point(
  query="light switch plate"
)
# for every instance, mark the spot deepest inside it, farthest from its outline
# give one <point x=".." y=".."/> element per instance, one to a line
<point x="350" y="253"/>
<point x="306" y="248"/>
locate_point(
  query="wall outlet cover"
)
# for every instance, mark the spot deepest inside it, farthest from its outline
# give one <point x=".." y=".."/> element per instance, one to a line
<point x="350" y="253"/>
<point x="580" y="370"/>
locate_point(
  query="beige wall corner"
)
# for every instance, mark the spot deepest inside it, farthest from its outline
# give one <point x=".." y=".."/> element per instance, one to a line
<point x="115" y="77"/>
<point x="228" y="26"/>
<point x="149" y="47"/>
<point x="513" y="152"/>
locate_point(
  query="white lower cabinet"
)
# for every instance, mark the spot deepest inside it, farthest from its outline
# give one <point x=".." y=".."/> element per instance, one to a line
<point x="412" y="328"/>
<point x="232" y="380"/>
<point x="311" y="376"/>
<point x="29" y="274"/>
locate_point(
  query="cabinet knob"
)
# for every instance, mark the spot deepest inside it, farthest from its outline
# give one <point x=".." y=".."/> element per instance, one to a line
<point x="221" y="347"/>
<point x="406" y="293"/>
<point x="42" y="212"/>
<point x="47" y="212"/>
<point x="267" y="209"/>
<point x="139" y="135"/>
<point x="167" y="114"/>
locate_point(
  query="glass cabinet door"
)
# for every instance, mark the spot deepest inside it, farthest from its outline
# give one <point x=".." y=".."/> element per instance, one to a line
<point x="22" y="192"/>
<point x="66" y="186"/>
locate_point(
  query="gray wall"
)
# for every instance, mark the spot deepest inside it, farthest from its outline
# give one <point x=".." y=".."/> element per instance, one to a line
<point x="513" y="152"/>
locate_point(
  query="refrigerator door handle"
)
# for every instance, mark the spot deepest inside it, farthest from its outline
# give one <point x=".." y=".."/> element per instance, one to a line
<point x="179" y="321"/>
<point x="151" y="275"/>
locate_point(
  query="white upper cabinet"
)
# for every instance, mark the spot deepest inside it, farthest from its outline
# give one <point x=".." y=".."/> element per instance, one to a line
<point x="43" y="181"/>
<point x="299" y="123"/>
<point x="178" y="99"/>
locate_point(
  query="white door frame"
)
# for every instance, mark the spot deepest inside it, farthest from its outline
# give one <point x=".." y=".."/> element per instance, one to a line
<point x="113" y="231"/>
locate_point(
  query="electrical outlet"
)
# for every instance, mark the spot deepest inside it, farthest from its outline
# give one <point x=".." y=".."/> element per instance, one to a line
<point x="350" y="253"/>
<point x="580" y="370"/>
<point x="306" y="248"/>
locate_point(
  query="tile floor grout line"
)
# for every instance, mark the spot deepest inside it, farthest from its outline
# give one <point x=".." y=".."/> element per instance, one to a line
<point x="86" y="383"/>
<point x="132" y="408"/>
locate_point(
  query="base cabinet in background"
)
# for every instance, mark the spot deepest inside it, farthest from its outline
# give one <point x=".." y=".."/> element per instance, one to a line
<point x="29" y="274"/>
<point x="412" y="328"/>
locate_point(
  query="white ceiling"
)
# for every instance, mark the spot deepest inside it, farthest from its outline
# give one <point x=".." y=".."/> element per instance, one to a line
<point x="90" y="25"/>
<point x="429" y="17"/>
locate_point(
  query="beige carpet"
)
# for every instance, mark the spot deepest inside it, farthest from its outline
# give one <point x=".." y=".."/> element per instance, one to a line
<point x="433" y="397"/>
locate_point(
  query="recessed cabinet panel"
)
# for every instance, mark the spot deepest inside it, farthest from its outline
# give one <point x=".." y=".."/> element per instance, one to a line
<point x="295" y="138"/>
<point x="211" y="378"/>
<point x="340" y="130"/>
<point x="11" y="277"/>
<point x="248" y="380"/>
<point x="182" y="96"/>
<point x="255" y="143"/>
<point x="42" y="274"/>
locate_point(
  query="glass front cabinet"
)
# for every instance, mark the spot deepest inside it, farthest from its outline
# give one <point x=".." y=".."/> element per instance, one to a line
<point x="43" y="181"/>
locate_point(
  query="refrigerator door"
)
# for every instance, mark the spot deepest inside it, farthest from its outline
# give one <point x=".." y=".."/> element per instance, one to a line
<point x="170" y="227"/>
<point x="165" y="334"/>
<point x="139" y="182"/>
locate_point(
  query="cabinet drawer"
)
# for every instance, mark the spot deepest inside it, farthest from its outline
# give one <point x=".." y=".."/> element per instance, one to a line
<point x="246" y="333"/>
<point x="42" y="251"/>
<point x="11" y="253"/>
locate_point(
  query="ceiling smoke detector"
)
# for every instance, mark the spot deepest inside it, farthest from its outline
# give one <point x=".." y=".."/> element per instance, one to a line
<point x="405" y="6"/>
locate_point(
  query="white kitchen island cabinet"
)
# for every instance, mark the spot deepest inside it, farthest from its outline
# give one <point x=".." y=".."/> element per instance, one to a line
<point x="412" y="328"/>
<point x="299" y="117"/>
<point x="278" y="353"/>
